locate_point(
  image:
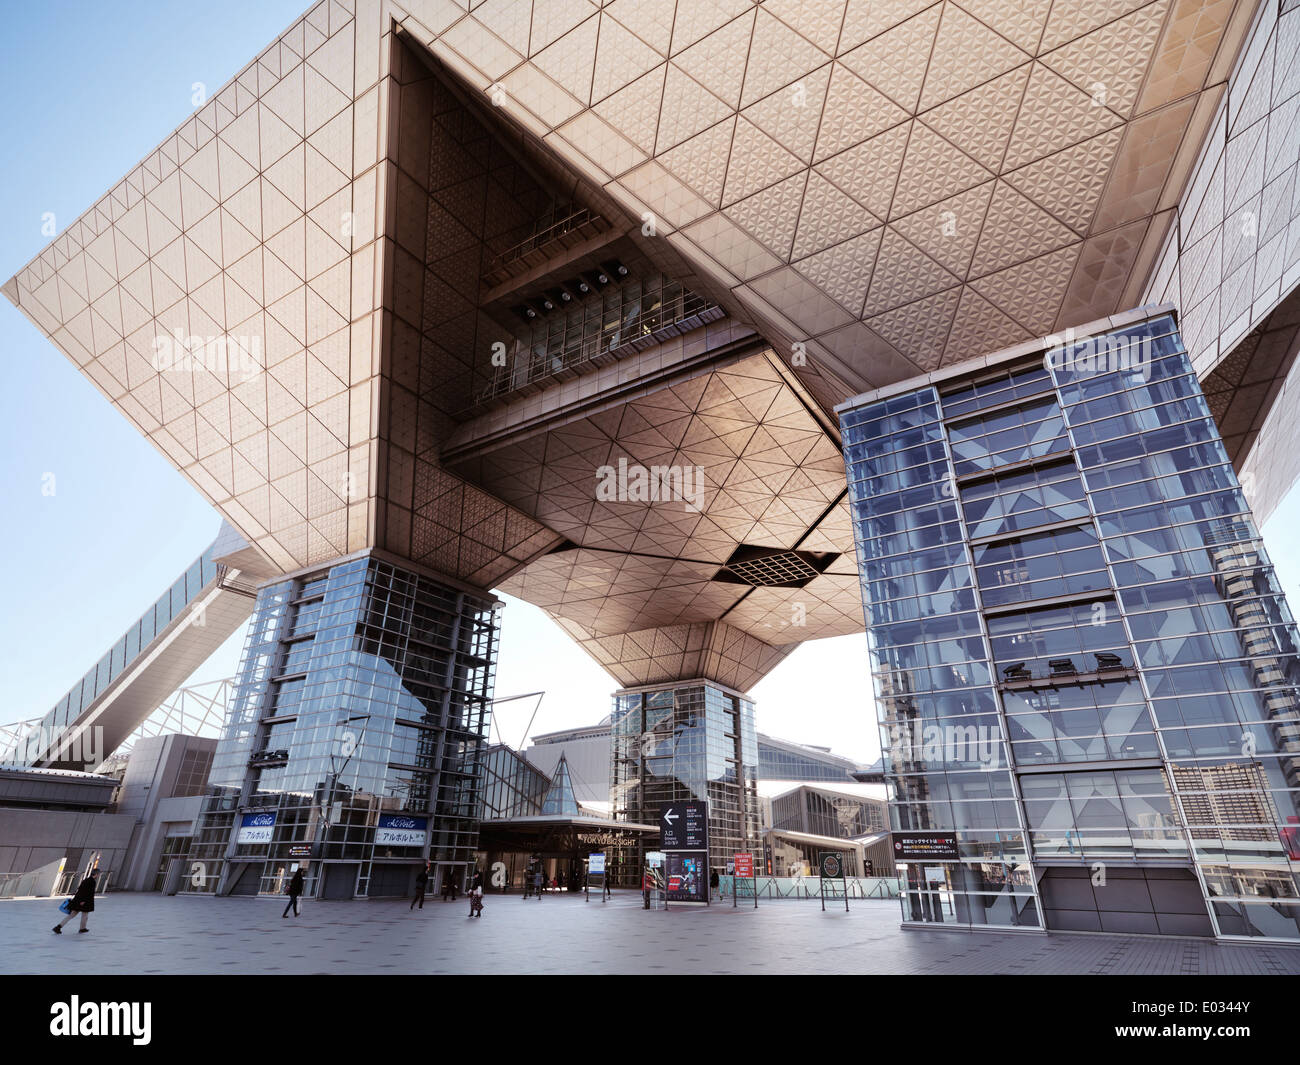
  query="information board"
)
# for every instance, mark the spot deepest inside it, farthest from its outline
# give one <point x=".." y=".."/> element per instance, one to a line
<point x="925" y="846"/>
<point x="684" y="826"/>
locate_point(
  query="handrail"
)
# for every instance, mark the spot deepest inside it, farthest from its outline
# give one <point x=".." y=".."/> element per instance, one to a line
<point x="566" y="352"/>
<point x="577" y="216"/>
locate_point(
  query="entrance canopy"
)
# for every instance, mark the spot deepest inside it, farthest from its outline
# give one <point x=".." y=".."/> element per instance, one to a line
<point x="562" y="835"/>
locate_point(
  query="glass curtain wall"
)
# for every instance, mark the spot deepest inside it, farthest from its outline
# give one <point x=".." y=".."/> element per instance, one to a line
<point x="696" y="741"/>
<point x="354" y="734"/>
<point x="1059" y="569"/>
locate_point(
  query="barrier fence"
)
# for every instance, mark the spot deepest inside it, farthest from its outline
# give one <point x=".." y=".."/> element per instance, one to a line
<point x="809" y="887"/>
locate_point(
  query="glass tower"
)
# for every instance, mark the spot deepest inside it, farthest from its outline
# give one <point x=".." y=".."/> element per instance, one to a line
<point x="353" y="743"/>
<point x="1084" y="667"/>
<point x="688" y="740"/>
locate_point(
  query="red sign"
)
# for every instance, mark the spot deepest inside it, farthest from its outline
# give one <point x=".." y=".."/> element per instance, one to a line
<point x="745" y="865"/>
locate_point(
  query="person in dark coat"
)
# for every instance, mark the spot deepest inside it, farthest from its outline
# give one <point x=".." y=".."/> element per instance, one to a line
<point x="295" y="889"/>
<point x="421" y="882"/>
<point x="83" y="902"/>
<point x="476" y="895"/>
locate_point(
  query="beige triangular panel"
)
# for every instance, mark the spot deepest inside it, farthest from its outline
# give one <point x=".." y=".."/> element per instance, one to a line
<point x="718" y="61"/>
<point x="771" y="214"/>
<point x="777" y="56"/>
<point x="1031" y="292"/>
<point x="688" y="107"/>
<point x="979" y="122"/>
<point x="864" y="19"/>
<point x="933" y="169"/>
<point x="828" y="216"/>
<point x="854" y="111"/>
<point x="903" y="273"/>
<point x="895" y="62"/>
<point x="1069" y="183"/>
<point x="791" y="116"/>
<point x="966" y="53"/>
<point x="979" y="327"/>
<point x="844" y="270"/>
<point x="1053" y="116"/>
<point x="1110" y="63"/>
<point x="1015" y="230"/>
<point x="634" y="109"/>
<point x="920" y="330"/>
<point x="621" y="57"/>
<point x="949" y="230"/>
<point x="701" y="162"/>
<point x="1021" y="23"/>
<point x="869" y="171"/>
<point x="650" y="20"/>
<point x="756" y="161"/>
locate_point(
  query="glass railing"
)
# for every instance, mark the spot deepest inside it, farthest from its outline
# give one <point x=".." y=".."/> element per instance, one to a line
<point x="581" y="344"/>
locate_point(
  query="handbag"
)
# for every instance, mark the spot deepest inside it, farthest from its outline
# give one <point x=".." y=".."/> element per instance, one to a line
<point x="65" y="906"/>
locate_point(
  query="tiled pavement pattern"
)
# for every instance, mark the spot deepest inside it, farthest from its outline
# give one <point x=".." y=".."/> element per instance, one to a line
<point x="561" y="934"/>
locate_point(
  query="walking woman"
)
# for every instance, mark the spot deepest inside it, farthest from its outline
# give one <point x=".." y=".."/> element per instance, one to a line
<point x="295" y="889"/>
<point x="83" y="902"/>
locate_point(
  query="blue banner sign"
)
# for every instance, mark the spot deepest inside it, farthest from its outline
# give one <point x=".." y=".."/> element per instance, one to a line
<point x="256" y="828"/>
<point x="401" y="830"/>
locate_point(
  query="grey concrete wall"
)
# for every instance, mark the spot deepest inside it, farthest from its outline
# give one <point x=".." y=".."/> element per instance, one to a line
<point x="31" y="838"/>
<point x="147" y="842"/>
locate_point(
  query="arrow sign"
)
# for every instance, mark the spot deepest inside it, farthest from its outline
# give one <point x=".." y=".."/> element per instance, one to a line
<point x="684" y="825"/>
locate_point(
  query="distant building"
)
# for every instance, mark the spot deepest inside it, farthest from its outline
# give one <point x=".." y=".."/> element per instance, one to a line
<point x="678" y="742"/>
<point x="804" y="821"/>
<point x="587" y="751"/>
<point x="786" y="760"/>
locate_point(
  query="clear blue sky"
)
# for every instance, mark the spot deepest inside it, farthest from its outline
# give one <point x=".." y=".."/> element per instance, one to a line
<point x="93" y="88"/>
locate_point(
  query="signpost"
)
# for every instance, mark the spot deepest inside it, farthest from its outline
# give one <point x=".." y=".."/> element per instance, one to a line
<point x="684" y="834"/>
<point x="830" y="866"/>
<point x="596" y="867"/>
<point x="684" y="826"/>
<point x="744" y="868"/>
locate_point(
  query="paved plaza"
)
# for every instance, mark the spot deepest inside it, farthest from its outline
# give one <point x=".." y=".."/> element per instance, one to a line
<point x="152" y="934"/>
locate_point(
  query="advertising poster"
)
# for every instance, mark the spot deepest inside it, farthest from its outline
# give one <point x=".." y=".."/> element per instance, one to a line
<point x="686" y="878"/>
<point x="831" y="865"/>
